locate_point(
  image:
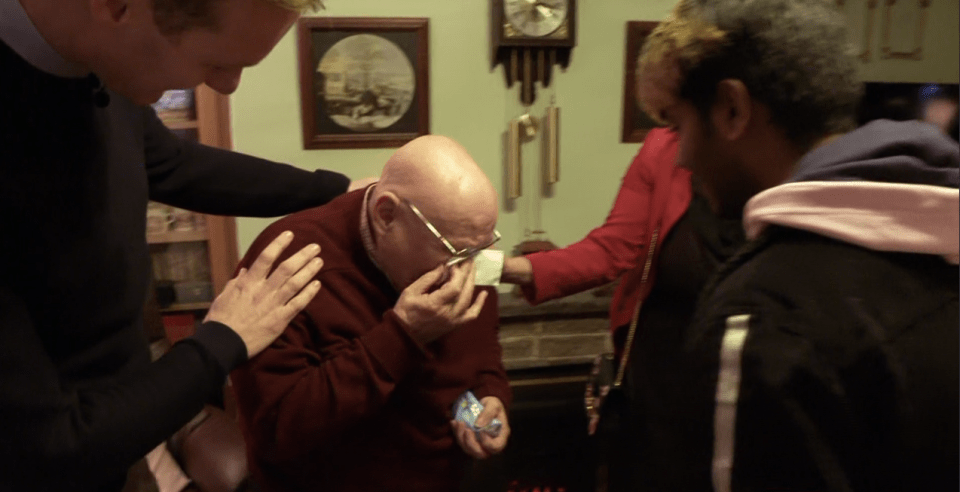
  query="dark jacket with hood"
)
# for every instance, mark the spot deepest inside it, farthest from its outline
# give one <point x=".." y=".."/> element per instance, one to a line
<point x="825" y="354"/>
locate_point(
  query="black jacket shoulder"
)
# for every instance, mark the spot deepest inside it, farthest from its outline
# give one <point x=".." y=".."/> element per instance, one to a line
<point x="848" y="372"/>
<point x="826" y="281"/>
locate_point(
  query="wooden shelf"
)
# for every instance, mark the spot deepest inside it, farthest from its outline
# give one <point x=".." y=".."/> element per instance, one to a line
<point x="176" y="237"/>
<point x="190" y="306"/>
<point x="181" y="125"/>
<point x="208" y="123"/>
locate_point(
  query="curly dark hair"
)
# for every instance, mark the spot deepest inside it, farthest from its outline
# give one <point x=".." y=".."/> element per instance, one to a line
<point x="792" y="55"/>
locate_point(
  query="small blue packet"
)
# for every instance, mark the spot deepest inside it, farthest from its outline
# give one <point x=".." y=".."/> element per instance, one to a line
<point x="467" y="408"/>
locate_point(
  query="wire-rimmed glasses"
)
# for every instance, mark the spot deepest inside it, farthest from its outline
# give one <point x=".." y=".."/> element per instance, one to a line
<point x="460" y="255"/>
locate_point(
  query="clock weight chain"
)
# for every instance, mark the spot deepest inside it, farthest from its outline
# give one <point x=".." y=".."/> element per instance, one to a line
<point x="529" y="38"/>
<point x="524" y="129"/>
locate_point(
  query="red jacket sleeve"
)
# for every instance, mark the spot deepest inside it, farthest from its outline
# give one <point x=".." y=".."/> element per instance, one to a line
<point x="607" y="251"/>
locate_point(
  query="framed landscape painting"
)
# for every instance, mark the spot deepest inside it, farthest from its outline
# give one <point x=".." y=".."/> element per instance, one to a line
<point x="363" y="81"/>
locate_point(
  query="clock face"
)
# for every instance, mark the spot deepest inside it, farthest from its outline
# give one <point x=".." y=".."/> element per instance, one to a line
<point x="535" y="18"/>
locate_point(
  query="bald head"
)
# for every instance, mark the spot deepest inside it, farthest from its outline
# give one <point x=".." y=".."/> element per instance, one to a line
<point x="437" y="176"/>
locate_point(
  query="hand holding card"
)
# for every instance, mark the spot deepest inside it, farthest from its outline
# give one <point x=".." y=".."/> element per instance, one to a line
<point x="468" y="408"/>
<point x="480" y="441"/>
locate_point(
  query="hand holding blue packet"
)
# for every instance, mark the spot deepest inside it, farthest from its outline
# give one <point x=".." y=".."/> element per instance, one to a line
<point x="467" y="408"/>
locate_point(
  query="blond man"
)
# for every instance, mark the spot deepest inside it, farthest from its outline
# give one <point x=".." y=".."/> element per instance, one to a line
<point x="82" y="153"/>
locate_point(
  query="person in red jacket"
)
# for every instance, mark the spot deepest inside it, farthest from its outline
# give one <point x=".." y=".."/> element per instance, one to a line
<point x="653" y="196"/>
<point x="357" y="394"/>
<point x="662" y="243"/>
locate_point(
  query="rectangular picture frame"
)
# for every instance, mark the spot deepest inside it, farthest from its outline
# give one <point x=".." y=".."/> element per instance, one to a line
<point x="364" y="81"/>
<point x="635" y="123"/>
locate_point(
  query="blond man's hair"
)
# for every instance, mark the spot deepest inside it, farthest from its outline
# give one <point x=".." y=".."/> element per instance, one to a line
<point x="301" y="6"/>
<point x="178" y="16"/>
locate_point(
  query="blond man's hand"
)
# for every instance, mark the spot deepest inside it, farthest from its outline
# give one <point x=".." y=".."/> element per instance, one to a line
<point x="257" y="304"/>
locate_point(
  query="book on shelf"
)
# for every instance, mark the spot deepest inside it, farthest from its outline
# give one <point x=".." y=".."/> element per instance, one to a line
<point x="169" y="116"/>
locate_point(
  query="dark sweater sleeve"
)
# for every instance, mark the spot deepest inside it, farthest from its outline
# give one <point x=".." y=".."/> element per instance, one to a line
<point x="294" y="399"/>
<point x="493" y="377"/>
<point x="209" y="180"/>
<point x="315" y="382"/>
<point x="59" y="433"/>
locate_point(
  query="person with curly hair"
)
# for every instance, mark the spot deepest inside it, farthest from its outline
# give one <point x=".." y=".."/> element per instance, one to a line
<point x="823" y="355"/>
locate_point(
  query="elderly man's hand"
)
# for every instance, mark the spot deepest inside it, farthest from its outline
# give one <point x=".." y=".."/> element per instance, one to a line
<point x="431" y="313"/>
<point x="487" y="445"/>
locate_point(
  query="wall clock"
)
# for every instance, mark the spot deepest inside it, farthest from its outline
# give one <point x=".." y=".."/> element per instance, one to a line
<point x="529" y="37"/>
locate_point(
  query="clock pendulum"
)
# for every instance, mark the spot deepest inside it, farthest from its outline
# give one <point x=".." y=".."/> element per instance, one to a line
<point x="530" y="37"/>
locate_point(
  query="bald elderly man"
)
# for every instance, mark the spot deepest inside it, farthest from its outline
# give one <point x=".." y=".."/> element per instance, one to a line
<point x="357" y="393"/>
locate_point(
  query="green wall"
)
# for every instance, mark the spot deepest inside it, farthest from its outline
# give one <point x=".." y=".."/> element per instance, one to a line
<point x="471" y="104"/>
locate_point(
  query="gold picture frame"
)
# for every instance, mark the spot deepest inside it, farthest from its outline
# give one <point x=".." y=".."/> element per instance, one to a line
<point x="635" y="123"/>
<point x="364" y="81"/>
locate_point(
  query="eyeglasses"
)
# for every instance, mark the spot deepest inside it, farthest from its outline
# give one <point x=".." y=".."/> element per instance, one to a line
<point x="461" y="255"/>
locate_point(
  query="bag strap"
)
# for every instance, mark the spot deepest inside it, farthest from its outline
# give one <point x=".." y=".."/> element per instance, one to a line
<point x="628" y="345"/>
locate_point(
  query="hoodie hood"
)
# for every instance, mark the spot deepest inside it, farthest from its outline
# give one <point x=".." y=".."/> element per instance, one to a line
<point x="906" y="152"/>
<point x="887" y="186"/>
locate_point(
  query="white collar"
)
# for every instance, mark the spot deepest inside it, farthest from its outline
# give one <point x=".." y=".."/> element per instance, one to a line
<point x="21" y="35"/>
